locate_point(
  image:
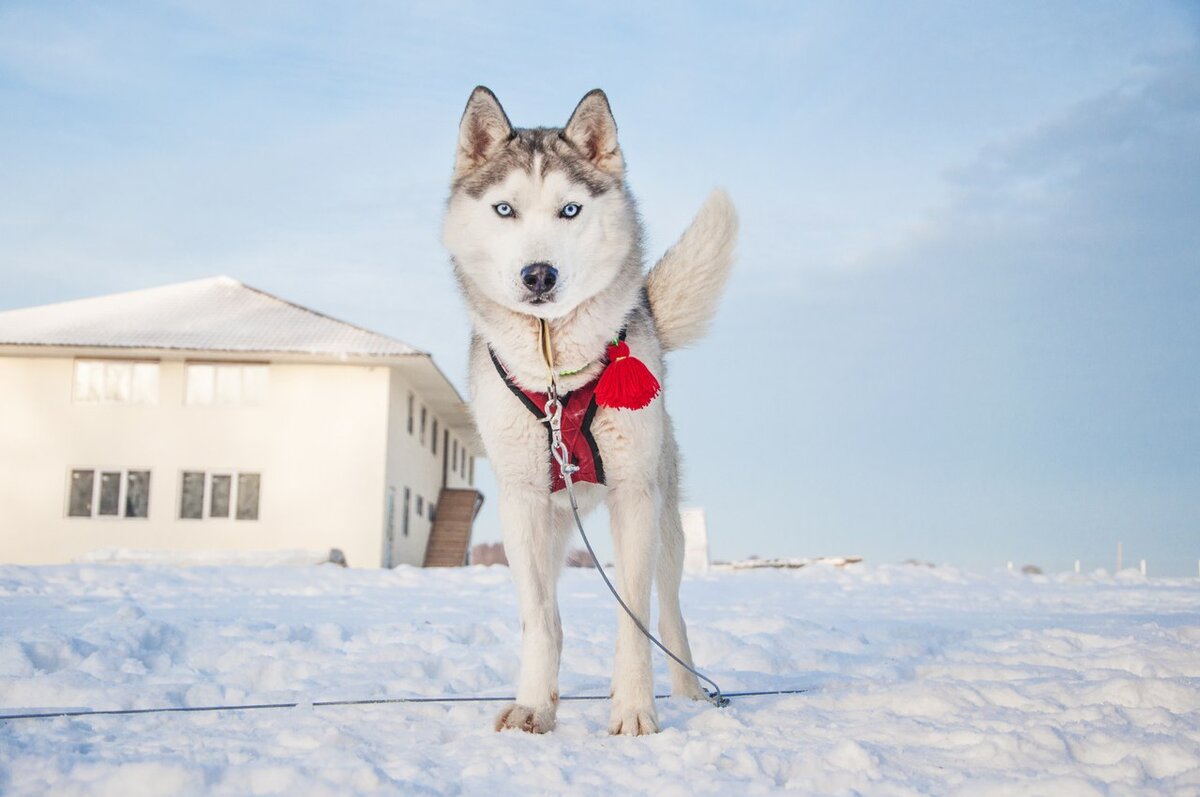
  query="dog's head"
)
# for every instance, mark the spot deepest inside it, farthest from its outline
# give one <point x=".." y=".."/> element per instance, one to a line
<point x="539" y="219"/>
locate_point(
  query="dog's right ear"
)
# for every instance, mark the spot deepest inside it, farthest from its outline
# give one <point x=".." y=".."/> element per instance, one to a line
<point x="483" y="130"/>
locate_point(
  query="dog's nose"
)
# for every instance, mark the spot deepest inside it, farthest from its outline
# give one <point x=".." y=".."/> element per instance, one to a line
<point x="539" y="277"/>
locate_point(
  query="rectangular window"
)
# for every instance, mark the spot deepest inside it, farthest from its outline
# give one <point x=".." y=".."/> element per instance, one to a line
<point x="145" y="383"/>
<point x="423" y="426"/>
<point x="110" y="493"/>
<point x="219" y="493"/>
<point x="420" y="506"/>
<point x="82" y="482"/>
<point x="199" y="384"/>
<point x="116" y="493"/>
<point x="462" y="464"/>
<point x="225" y="384"/>
<point x="454" y="455"/>
<point x="391" y="513"/>
<point x="247" y="496"/>
<point x="407" y="502"/>
<point x="435" y="435"/>
<point x="191" y="495"/>
<point x="471" y="478"/>
<point x="137" y="493"/>
<point x="411" y="400"/>
<point x="115" y="382"/>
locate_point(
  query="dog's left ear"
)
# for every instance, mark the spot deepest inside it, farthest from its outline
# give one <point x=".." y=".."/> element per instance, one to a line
<point x="593" y="131"/>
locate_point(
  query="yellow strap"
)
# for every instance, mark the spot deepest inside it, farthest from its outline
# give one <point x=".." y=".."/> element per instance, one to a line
<point x="547" y="349"/>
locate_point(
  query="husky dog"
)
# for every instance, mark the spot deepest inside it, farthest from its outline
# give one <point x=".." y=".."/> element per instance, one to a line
<point x="541" y="227"/>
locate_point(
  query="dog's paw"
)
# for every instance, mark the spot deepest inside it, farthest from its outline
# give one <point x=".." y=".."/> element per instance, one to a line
<point x="523" y="718"/>
<point x="632" y="721"/>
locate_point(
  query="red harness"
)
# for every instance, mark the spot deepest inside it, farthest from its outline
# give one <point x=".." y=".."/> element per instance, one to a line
<point x="579" y="408"/>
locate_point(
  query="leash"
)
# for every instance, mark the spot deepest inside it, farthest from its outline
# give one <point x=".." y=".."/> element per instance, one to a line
<point x="380" y="701"/>
<point x="562" y="456"/>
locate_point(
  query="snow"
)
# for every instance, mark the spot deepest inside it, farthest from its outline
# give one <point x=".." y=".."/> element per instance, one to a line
<point x="280" y="558"/>
<point x="215" y="314"/>
<point x="923" y="680"/>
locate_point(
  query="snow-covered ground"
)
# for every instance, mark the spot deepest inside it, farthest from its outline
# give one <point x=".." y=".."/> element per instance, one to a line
<point x="922" y="681"/>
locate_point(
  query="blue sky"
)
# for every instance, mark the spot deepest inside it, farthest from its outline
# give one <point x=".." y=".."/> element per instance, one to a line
<point x="963" y="325"/>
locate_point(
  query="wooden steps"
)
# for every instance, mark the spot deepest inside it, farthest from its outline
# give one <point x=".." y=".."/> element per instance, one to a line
<point x="450" y="538"/>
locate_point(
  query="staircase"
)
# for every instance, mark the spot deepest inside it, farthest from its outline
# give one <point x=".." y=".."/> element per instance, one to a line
<point x="450" y="538"/>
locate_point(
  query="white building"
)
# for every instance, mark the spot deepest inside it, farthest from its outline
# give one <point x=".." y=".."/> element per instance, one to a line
<point x="210" y="416"/>
<point x="695" y="539"/>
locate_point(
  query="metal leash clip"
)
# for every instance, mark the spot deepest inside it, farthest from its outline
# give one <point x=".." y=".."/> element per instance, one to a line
<point x="558" y="448"/>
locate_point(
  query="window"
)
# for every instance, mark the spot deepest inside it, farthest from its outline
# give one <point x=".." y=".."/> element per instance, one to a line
<point x="432" y="511"/>
<point x="219" y="494"/>
<point x="420" y="506"/>
<point x="435" y="435"/>
<point x="422" y="426"/>
<point x="80" y="501"/>
<point x="247" y="496"/>
<point x="115" y="382"/>
<point x="390" y="523"/>
<point x="110" y="493"/>
<point x="462" y="463"/>
<point x="206" y="495"/>
<point x="210" y="384"/>
<point x="471" y="478"/>
<point x="191" y="495"/>
<point x="137" y="493"/>
<point x="116" y="493"/>
<point x="411" y="400"/>
<point x="454" y="455"/>
<point x="407" y="500"/>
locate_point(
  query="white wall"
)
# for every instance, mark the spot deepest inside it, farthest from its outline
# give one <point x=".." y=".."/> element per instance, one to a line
<point x="319" y="442"/>
<point x="412" y="464"/>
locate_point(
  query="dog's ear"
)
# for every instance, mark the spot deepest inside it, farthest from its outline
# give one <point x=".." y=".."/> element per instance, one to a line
<point x="483" y="130"/>
<point x="593" y="131"/>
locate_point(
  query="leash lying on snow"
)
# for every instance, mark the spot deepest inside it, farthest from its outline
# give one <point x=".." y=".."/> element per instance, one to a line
<point x="375" y="701"/>
<point x="633" y="388"/>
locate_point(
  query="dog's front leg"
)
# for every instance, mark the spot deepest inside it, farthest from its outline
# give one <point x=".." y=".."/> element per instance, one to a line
<point x="535" y="554"/>
<point x="634" y="512"/>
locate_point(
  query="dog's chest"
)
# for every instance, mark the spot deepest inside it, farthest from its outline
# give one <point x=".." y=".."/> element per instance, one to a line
<point x="607" y="444"/>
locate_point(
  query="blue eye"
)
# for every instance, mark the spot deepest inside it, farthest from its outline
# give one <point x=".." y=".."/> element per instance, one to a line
<point x="570" y="210"/>
<point x="503" y="209"/>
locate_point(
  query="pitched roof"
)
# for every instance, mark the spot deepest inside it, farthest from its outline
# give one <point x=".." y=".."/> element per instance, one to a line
<point x="216" y="314"/>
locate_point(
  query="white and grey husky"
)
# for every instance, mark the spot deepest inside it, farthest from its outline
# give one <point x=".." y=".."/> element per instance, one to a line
<point x="542" y="228"/>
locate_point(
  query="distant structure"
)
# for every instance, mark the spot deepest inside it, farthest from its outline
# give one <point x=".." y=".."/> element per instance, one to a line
<point x="695" y="534"/>
<point x="211" y="416"/>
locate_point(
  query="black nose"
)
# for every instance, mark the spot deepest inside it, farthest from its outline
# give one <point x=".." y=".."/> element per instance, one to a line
<point x="539" y="277"/>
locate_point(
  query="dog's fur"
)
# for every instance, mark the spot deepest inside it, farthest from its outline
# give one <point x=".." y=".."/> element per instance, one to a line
<point x="601" y="289"/>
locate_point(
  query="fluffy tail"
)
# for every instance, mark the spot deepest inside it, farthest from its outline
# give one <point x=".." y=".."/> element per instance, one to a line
<point x="686" y="283"/>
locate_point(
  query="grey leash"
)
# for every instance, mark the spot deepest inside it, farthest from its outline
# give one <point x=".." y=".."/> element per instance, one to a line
<point x="562" y="456"/>
<point x="370" y="701"/>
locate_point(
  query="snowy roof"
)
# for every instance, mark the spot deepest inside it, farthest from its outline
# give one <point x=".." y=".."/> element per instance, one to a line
<point x="216" y="314"/>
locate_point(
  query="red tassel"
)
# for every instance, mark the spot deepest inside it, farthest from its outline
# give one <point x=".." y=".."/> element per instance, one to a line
<point x="626" y="383"/>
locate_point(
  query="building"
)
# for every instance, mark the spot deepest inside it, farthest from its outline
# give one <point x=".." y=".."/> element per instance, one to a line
<point x="695" y="539"/>
<point x="211" y="416"/>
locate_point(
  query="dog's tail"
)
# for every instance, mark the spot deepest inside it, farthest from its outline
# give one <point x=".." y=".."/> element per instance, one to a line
<point x="686" y="283"/>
